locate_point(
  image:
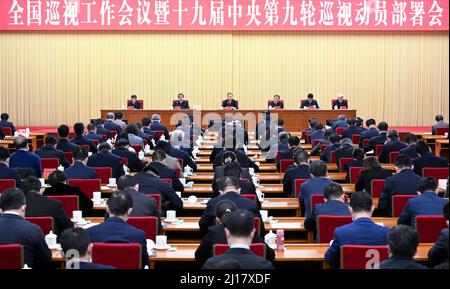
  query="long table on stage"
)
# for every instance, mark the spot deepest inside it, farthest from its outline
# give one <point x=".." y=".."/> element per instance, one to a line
<point x="294" y="120"/>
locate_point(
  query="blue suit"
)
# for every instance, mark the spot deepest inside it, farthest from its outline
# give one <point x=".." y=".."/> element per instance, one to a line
<point x="404" y="183"/>
<point x="439" y="252"/>
<point x="392" y="146"/>
<point x="293" y="173"/>
<point x="362" y="231"/>
<point x="428" y="160"/>
<point x="410" y="151"/>
<point x="9" y="173"/>
<point x="93" y="266"/>
<point x="94" y="136"/>
<point x="325" y="156"/>
<point x="317" y="134"/>
<point x="339" y="123"/>
<point x="368" y="134"/>
<point x="156" y="126"/>
<point x="329" y="208"/>
<point x="397" y="262"/>
<point x="116" y="230"/>
<point x="5" y="123"/>
<point x="107" y="159"/>
<point x="81" y="140"/>
<point x="181" y="154"/>
<point x="351" y="130"/>
<point x="66" y="145"/>
<point x="79" y="171"/>
<point x="315" y="186"/>
<point x="26" y="159"/>
<point x="111" y="125"/>
<point x="376" y="140"/>
<point x="427" y="204"/>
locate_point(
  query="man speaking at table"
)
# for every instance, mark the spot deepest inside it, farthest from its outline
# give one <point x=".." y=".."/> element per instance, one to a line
<point x="134" y="103"/>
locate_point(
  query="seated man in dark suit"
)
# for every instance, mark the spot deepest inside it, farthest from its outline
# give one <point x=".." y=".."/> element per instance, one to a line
<point x="157" y="126"/>
<point x="334" y="145"/>
<point x="100" y="128"/>
<point x="402" y="244"/>
<point x="381" y="138"/>
<point x="410" y="150"/>
<point x="427" y="159"/>
<point x="393" y="144"/>
<point x="371" y="131"/>
<point x="352" y="129"/>
<point x="309" y="102"/>
<point x="316" y="150"/>
<point x="341" y="122"/>
<point x="134" y="103"/>
<point x="439" y="123"/>
<point x="110" y="124"/>
<point x="180" y="102"/>
<point x="240" y="231"/>
<point x="283" y="141"/>
<point x="40" y="206"/>
<point x="276" y="102"/>
<point x="404" y="182"/>
<point x="104" y="158"/>
<point x="363" y="231"/>
<point x="228" y="158"/>
<point x="345" y="151"/>
<point x="334" y="206"/>
<point x="438" y="254"/>
<point x="176" y="150"/>
<point x="229" y="102"/>
<point x="229" y="190"/>
<point x="318" y="133"/>
<point x="146" y="122"/>
<point x="300" y="170"/>
<point x="92" y="133"/>
<point x="293" y="143"/>
<point x="79" y="139"/>
<point x="57" y="181"/>
<point x="63" y="143"/>
<point x="159" y="163"/>
<point x="428" y="203"/>
<point x="150" y="183"/>
<point x="50" y="151"/>
<point x="372" y="170"/>
<point x="23" y="158"/>
<point x="115" y="228"/>
<point x="78" y="240"/>
<point x="4" y="122"/>
<point x="340" y="102"/>
<point x="79" y="170"/>
<point x="216" y="235"/>
<point x="358" y="161"/>
<point x="122" y="150"/>
<point x="16" y="230"/>
<point x="5" y="171"/>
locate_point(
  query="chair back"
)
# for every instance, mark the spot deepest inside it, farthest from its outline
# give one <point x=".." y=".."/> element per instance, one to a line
<point x="137" y="148"/>
<point x="439" y="130"/>
<point x="85" y="147"/>
<point x="7" y="184"/>
<point x="430" y="227"/>
<point x="362" y="256"/>
<point x="124" y="161"/>
<point x="249" y="196"/>
<point x="356" y="138"/>
<point x="285" y="164"/>
<point x="437" y="173"/>
<point x="147" y="224"/>
<point x="393" y="156"/>
<point x="398" y="204"/>
<point x="378" y="149"/>
<point x="340" y="130"/>
<point x="104" y="174"/>
<point x="157" y="198"/>
<point x="298" y="186"/>
<point x="377" y="187"/>
<point x="69" y="157"/>
<point x="45" y="223"/>
<point x="332" y="158"/>
<point x="88" y="187"/>
<point x="327" y="224"/>
<point x="7" y="131"/>
<point x="121" y="256"/>
<point x="355" y="172"/>
<point x="159" y="133"/>
<point x="11" y="256"/>
<point x="343" y="162"/>
<point x="49" y="163"/>
<point x="69" y="203"/>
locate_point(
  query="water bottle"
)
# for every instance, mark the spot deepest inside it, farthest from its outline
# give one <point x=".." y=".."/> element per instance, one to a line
<point x="280" y="240"/>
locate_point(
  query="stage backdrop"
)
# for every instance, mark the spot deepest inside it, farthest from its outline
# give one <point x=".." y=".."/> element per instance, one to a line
<point x="47" y="78"/>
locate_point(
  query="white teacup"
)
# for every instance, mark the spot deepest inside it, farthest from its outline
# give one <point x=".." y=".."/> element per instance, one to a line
<point x="183" y="181"/>
<point x="171" y="215"/>
<point x="42" y="180"/>
<point x="251" y="171"/>
<point x="178" y="194"/>
<point x="264" y="215"/>
<point x="77" y="215"/>
<point x="161" y="241"/>
<point x="97" y="196"/>
<point x="192" y="199"/>
<point x="112" y="181"/>
<point x="260" y="195"/>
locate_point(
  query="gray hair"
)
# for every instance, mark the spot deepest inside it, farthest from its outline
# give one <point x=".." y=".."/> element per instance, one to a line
<point x="110" y="115"/>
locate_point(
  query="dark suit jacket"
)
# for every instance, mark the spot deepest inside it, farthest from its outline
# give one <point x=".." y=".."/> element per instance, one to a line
<point x="101" y="130"/>
<point x="116" y="230"/>
<point x="61" y="189"/>
<point x="181" y="154"/>
<point x="287" y="155"/>
<point x="93" y="266"/>
<point x="329" y="208"/>
<point x="156" y="126"/>
<point x="368" y="134"/>
<point x="134" y="163"/>
<point x="182" y="104"/>
<point x="16" y="230"/>
<point x="66" y="145"/>
<point x="392" y="146"/>
<point x="233" y="103"/>
<point x="398" y="262"/>
<point x="339" y="123"/>
<point x="143" y="206"/>
<point x="79" y="171"/>
<point x="209" y="215"/>
<point x="427" y="204"/>
<point x="439" y="252"/>
<point x="5" y="123"/>
<point x="106" y="159"/>
<point x="247" y="188"/>
<point x="149" y="184"/>
<point x="339" y="104"/>
<point x="403" y="183"/>
<point x="308" y="104"/>
<point x="242" y="158"/>
<point x="362" y="231"/>
<point x="111" y="125"/>
<point x="292" y="174"/>
<point x="428" y="160"/>
<point x="314" y="186"/>
<point x="216" y="235"/>
<point x="345" y="151"/>
<point x="81" y="140"/>
<point x="50" y="152"/>
<point x="94" y="136"/>
<point x="410" y="151"/>
<point x="351" y="130"/>
<point x="219" y="173"/>
<point x="41" y="206"/>
<point x="26" y="159"/>
<point x="325" y="156"/>
<point x="379" y="139"/>
<point x="365" y="179"/>
<point x="167" y="173"/>
<point x="136" y="105"/>
<point x="246" y="259"/>
<point x="9" y="173"/>
<point x="280" y="104"/>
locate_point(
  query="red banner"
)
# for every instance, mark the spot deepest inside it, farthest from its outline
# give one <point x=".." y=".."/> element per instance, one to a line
<point x="224" y="15"/>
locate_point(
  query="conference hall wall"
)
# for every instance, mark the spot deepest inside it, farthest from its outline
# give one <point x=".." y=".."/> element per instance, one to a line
<point x="48" y="78"/>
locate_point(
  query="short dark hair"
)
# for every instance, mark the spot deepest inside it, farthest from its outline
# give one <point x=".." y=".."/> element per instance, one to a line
<point x="134" y="96"/>
<point x="12" y="199"/>
<point x="294" y="141"/>
<point x="99" y="122"/>
<point x="358" y="154"/>
<point x="280" y="122"/>
<point x="383" y="126"/>
<point x="310" y="95"/>
<point x="20" y="142"/>
<point x="283" y="136"/>
<point x="318" y="126"/>
<point x="91" y="127"/>
<point x="4" y="154"/>
<point x="427" y="184"/>
<point x="370" y="122"/>
<point x="119" y="203"/>
<point x="359" y="121"/>
<point x="75" y="239"/>
<point x="361" y="202"/>
<point x="228" y="157"/>
<point x="30" y="184"/>
<point x="410" y="138"/>
<point x="313" y="122"/>
<point x="146" y="121"/>
<point x="403" y="161"/>
<point x="239" y="223"/>
<point x="163" y="145"/>
<point x="232" y="170"/>
<point x="422" y="148"/>
<point x="318" y="169"/>
<point x="403" y="241"/>
<point x="50" y="140"/>
<point x="335" y="138"/>
<point x="126" y="181"/>
<point x="224" y="207"/>
<point x="80" y="154"/>
<point x="63" y="130"/>
<point x="158" y="156"/>
<point x="225" y="182"/>
<point x="122" y="142"/>
<point x="333" y="191"/>
<point x="4" y="116"/>
<point x="118" y="115"/>
<point x="104" y="146"/>
<point x="439" y="117"/>
<point x="78" y="128"/>
<point x="300" y="156"/>
<point x="352" y="121"/>
<point x="132" y="128"/>
<point x="56" y="177"/>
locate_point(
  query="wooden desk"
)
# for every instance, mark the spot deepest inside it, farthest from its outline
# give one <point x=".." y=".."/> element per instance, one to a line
<point x="442" y="148"/>
<point x="40" y="138"/>
<point x="262" y="167"/>
<point x="294" y="120"/>
<point x="9" y="141"/>
<point x="263" y="177"/>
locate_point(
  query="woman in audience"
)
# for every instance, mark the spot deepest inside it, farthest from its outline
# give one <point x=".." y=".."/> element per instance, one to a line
<point x="371" y="170"/>
<point x="132" y="131"/>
